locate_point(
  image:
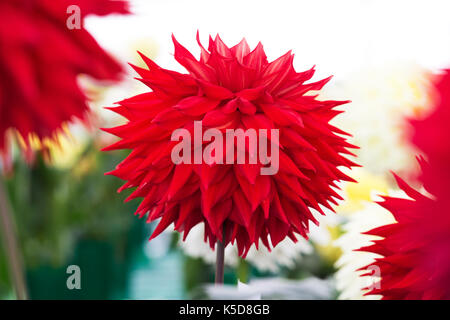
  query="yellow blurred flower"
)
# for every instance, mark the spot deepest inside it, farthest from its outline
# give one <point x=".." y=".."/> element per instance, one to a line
<point x="329" y="251"/>
<point x="356" y="194"/>
<point x="64" y="154"/>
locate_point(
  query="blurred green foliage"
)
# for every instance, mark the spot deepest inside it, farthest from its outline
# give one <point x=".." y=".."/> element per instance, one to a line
<point x="73" y="216"/>
<point x="5" y="284"/>
<point x="38" y="196"/>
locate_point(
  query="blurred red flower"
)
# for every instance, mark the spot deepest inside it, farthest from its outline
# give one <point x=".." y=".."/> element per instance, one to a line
<point x="415" y="251"/>
<point x="431" y="135"/>
<point x="230" y="88"/>
<point x="40" y="60"/>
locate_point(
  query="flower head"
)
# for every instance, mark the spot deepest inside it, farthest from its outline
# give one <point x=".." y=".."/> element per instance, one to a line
<point x="431" y="136"/>
<point x="415" y="251"/>
<point x="415" y="255"/>
<point x="231" y="88"/>
<point x="41" y="58"/>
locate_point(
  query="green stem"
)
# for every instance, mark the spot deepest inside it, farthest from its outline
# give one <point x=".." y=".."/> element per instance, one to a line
<point x="220" y="257"/>
<point x="220" y="262"/>
<point x="14" y="258"/>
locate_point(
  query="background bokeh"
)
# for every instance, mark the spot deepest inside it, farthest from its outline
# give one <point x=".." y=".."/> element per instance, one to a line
<point x="382" y="54"/>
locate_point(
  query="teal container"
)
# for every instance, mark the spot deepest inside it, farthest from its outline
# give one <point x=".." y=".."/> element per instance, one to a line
<point x="97" y="263"/>
<point x="103" y="275"/>
<point x="47" y="282"/>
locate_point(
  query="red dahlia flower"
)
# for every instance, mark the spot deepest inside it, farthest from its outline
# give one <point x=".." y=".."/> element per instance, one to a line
<point x="231" y="88"/>
<point x="415" y="251"/>
<point x="40" y="60"/>
<point x="431" y="135"/>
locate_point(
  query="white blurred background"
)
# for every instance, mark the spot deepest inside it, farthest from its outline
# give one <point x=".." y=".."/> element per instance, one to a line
<point x="337" y="36"/>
